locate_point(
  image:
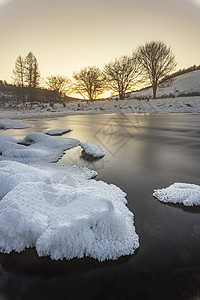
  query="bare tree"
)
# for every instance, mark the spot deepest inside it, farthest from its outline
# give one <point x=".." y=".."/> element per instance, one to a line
<point x="89" y="82"/>
<point x="157" y="61"/>
<point x="32" y="73"/>
<point x="59" y="83"/>
<point x="121" y="74"/>
<point x="18" y="72"/>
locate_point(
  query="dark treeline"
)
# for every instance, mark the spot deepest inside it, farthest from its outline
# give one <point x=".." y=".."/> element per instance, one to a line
<point x="22" y="95"/>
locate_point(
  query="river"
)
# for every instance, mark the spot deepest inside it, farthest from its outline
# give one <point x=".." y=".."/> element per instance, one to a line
<point x="143" y="152"/>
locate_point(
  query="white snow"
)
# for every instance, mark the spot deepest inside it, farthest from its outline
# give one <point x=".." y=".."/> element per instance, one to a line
<point x="63" y="216"/>
<point x="57" y="131"/>
<point x="131" y="105"/>
<point x="15" y="124"/>
<point x="21" y="173"/>
<point x="183" y="84"/>
<point x="185" y="193"/>
<point x="171" y="102"/>
<point x="35" y="148"/>
<point x="92" y="149"/>
<point x="7" y="138"/>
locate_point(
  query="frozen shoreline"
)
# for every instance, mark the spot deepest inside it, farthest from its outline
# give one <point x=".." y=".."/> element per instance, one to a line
<point x="152" y="106"/>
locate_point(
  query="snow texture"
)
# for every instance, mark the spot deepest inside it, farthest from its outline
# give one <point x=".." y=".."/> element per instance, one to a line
<point x="93" y="150"/>
<point x="35" y="148"/>
<point x="184" y="193"/>
<point x="130" y="105"/>
<point x="55" y="132"/>
<point x="15" y="124"/>
<point x="64" y="215"/>
<point x="183" y="84"/>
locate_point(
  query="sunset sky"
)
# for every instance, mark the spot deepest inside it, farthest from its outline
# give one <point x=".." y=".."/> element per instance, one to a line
<point x="66" y="35"/>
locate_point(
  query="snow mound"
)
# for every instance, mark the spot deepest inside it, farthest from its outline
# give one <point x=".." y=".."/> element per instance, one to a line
<point x="35" y="148"/>
<point x="7" y="138"/>
<point x="15" y="124"/>
<point x="64" y="216"/>
<point x="185" y="193"/>
<point x="55" y="132"/>
<point x="21" y="173"/>
<point x="93" y="150"/>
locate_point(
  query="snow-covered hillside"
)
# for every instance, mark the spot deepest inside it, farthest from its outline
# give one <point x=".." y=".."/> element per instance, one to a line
<point x="186" y="84"/>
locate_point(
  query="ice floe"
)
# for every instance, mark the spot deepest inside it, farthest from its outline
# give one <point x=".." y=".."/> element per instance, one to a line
<point x="92" y="149"/>
<point x="15" y="124"/>
<point x="35" y="148"/>
<point x="57" y="131"/>
<point x="185" y="193"/>
<point x="63" y="214"/>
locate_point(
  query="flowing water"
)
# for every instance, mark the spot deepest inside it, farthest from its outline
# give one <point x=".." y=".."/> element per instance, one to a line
<point x="143" y="152"/>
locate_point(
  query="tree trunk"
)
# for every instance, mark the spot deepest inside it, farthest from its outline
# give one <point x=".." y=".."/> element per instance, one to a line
<point x="122" y="96"/>
<point x="154" y="90"/>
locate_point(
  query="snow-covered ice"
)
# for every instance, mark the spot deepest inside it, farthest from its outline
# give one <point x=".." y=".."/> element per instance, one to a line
<point x="15" y="124"/>
<point x="92" y="149"/>
<point x="20" y="173"/>
<point x="63" y="216"/>
<point x="57" y="131"/>
<point x="185" y="193"/>
<point x="35" y="148"/>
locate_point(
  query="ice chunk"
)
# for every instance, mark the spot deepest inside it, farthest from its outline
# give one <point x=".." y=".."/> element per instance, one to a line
<point x="55" y="132"/>
<point x="65" y="217"/>
<point x="93" y="150"/>
<point x="15" y="124"/>
<point x="13" y="173"/>
<point x="185" y="193"/>
<point x="35" y="148"/>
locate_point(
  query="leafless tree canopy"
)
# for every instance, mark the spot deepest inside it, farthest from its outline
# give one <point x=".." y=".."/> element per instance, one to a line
<point x="18" y="72"/>
<point x="157" y="61"/>
<point x="152" y="62"/>
<point x="59" y="83"/>
<point x="31" y="71"/>
<point x="121" y="74"/>
<point x="89" y="82"/>
<point x="26" y="72"/>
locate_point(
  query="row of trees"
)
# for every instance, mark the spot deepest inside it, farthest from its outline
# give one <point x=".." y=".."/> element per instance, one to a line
<point x="150" y="63"/>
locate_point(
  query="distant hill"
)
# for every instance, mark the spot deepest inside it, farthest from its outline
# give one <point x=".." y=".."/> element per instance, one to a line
<point x="182" y="85"/>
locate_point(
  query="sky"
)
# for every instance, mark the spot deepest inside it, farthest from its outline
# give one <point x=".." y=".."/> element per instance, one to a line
<point x="67" y="35"/>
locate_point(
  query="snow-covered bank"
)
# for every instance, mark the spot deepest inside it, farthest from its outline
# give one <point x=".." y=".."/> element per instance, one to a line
<point x="152" y="106"/>
<point x="41" y="148"/>
<point x="63" y="216"/>
<point x="169" y="92"/>
<point x="35" y="148"/>
<point x="15" y="124"/>
<point x="184" y="193"/>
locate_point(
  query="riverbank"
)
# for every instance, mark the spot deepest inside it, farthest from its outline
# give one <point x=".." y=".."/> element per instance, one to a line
<point x="152" y="106"/>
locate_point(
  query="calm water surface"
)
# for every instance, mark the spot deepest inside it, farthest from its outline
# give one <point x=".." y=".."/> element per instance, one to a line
<point x="143" y="152"/>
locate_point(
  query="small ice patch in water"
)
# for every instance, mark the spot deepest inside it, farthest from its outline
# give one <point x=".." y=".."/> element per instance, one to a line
<point x="184" y="193"/>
